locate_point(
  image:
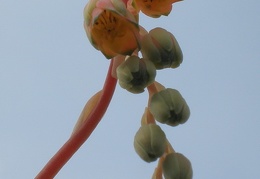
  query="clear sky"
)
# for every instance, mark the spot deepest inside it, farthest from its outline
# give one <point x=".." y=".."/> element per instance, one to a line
<point x="48" y="70"/>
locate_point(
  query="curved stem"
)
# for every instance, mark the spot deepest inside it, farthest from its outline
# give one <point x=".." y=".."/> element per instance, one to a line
<point x="82" y="134"/>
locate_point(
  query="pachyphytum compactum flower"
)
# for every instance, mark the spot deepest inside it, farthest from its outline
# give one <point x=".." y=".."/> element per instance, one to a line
<point x="135" y="74"/>
<point x="177" y="166"/>
<point x="154" y="8"/>
<point x="111" y="28"/>
<point x="169" y="107"/>
<point x="150" y="142"/>
<point x="161" y="47"/>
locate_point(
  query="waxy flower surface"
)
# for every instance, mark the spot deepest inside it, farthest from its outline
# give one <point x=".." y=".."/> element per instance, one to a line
<point x="111" y="28"/>
<point x="161" y="47"/>
<point x="150" y="142"/>
<point x="135" y="74"/>
<point x="177" y="166"/>
<point x="169" y="107"/>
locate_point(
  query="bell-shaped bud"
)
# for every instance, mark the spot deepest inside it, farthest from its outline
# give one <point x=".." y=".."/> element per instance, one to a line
<point x="169" y="107"/>
<point x="161" y="47"/>
<point x="150" y="142"/>
<point x="177" y="166"/>
<point x="135" y="74"/>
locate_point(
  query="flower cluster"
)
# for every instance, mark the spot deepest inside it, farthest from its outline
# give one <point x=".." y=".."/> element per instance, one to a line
<point x="112" y="27"/>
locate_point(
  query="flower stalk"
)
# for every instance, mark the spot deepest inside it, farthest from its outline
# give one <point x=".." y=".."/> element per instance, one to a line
<point x="82" y="134"/>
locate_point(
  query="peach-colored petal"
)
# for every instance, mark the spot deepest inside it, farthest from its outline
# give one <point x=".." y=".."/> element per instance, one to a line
<point x="118" y="39"/>
<point x="173" y="1"/>
<point x="155" y="8"/>
<point x="112" y="29"/>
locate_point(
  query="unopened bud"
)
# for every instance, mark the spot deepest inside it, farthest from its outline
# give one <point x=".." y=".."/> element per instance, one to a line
<point x="169" y="107"/>
<point x="150" y="142"/>
<point x="177" y="166"/>
<point x="161" y="47"/>
<point x="135" y="74"/>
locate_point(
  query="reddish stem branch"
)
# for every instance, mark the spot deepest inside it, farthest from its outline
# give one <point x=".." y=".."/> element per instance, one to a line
<point x="80" y="136"/>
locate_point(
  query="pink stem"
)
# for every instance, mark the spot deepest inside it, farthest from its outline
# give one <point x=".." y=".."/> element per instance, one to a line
<point x="80" y="136"/>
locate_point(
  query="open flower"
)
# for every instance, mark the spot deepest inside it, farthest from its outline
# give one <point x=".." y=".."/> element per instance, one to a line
<point x="111" y="28"/>
<point x="155" y="8"/>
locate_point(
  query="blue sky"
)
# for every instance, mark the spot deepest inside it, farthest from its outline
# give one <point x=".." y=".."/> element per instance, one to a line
<point x="48" y="70"/>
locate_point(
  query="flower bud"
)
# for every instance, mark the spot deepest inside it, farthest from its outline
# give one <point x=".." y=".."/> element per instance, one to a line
<point x="150" y="142"/>
<point x="177" y="166"/>
<point x="135" y="74"/>
<point x="161" y="47"/>
<point x="168" y="107"/>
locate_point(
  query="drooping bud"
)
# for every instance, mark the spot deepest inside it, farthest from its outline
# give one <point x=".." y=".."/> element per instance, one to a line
<point x="169" y="107"/>
<point x="177" y="166"/>
<point x="150" y="142"/>
<point x="135" y="74"/>
<point x="161" y="47"/>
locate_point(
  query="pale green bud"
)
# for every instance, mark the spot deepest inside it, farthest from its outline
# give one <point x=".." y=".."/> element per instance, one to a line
<point x="161" y="47"/>
<point x="135" y="74"/>
<point x="150" y="142"/>
<point x="177" y="166"/>
<point x="169" y="107"/>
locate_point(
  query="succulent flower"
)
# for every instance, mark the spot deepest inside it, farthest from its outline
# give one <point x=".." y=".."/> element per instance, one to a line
<point x="150" y="142"/>
<point x="177" y="166"/>
<point x="111" y="28"/>
<point x="168" y="106"/>
<point x="161" y="47"/>
<point x="135" y="74"/>
<point x="155" y="8"/>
